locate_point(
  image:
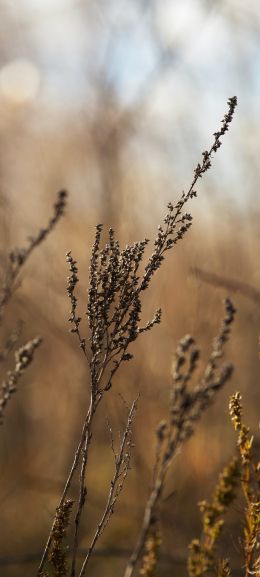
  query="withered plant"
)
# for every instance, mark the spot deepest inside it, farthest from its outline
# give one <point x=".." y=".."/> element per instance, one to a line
<point x="187" y="403"/>
<point x="242" y="473"/>
<point x="117" y="282"/>
<point x="16" y="259"/>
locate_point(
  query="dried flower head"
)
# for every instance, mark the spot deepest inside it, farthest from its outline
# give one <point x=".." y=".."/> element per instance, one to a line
<point x="202" y="552"/>
<point x="58" y="552"/>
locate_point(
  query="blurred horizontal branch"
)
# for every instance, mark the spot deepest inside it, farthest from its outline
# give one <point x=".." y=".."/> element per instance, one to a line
<point x="227" y="283"/>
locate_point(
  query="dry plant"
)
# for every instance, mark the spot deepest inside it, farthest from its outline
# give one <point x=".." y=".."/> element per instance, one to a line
<point x="122" y="460"/>
<point x="57" y="553"/>
<point x="117" y="279"/>
<point x="114" y="314"/>
<point x="16" y="260"/>
<point x="186" y="407"/>
<point x="243" y="471"/>
<point x="250" y="484"/>
<point x="23" y="358"/>
<point x="202" y="552"/>
<point x="19" y="256"/>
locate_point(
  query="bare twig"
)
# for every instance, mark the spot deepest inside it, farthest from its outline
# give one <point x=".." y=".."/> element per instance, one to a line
<point x="122" y="465"/>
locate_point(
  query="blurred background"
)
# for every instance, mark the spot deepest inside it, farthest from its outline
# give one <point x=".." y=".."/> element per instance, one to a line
<point x="115" y="101"/>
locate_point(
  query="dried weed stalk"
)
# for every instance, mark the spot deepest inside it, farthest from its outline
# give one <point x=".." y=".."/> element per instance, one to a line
<point x="186" y="407"/>
<point x="58" y="551"/>
<point x="19" y="256"/>
<point x="243" y="471"/>
<point x="23" y="358"/>
<point x="202" y="552"/>
<point x="16" y="260"/>
<point x="114" y="313"/>
<point x="250" y="484"/>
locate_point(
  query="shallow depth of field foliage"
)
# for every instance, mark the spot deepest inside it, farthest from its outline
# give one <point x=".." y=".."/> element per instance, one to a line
<point x="106" y="333"/>
<point x="130" y="288"/>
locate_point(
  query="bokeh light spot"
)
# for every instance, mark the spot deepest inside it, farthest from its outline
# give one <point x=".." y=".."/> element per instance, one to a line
<point x="19" y="81"/>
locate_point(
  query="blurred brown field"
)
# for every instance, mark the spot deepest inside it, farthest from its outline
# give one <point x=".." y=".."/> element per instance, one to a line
<point x="116" y="164"/>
